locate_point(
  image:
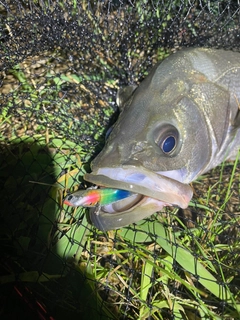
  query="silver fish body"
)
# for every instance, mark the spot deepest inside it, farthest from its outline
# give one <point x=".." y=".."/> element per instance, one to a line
<point x="180" y="122"/>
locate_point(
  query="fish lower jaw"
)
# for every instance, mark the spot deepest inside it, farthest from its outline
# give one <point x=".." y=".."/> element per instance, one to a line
<point x="133" y="203"/>
<point x="107" y="218"/>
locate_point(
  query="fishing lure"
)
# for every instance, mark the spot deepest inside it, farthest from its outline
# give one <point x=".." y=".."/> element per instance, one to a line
<point x="96" y="197"/>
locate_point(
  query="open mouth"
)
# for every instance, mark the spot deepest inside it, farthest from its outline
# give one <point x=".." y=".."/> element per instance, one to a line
<point x="150" y="192"/>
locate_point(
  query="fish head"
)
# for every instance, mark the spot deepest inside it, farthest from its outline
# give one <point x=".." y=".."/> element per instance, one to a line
<point x="159" y="144"/>
<point x="159" y="129"/>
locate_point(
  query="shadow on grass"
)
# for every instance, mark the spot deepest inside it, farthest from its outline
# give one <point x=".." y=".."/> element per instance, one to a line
<point x="35" y="281"/>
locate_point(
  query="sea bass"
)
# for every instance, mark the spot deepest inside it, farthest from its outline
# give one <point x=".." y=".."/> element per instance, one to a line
<point x="180" y="122"/>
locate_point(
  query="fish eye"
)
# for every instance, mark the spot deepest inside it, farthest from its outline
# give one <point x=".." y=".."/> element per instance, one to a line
<point x="166" y="137"/>
<point x="169" y="144"/>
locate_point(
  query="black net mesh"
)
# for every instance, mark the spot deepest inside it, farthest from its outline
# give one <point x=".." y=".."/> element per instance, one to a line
<point x="61" y="63"/>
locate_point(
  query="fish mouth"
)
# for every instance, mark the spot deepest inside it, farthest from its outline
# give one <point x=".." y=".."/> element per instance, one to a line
<point x="150" y="193"/>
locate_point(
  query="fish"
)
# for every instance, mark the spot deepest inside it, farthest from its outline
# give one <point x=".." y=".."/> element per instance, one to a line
<point x="181" y="121"/>
<point x="93" y="197"/>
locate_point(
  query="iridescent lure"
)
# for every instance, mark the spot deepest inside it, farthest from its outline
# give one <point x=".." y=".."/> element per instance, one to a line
<point x="96" y="197"/>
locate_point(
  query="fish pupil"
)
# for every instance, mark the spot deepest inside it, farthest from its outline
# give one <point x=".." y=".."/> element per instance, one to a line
<point x="168" y="144"/>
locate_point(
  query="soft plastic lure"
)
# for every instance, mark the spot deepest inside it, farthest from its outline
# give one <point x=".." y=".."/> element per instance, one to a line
<point x="96" y="197"/>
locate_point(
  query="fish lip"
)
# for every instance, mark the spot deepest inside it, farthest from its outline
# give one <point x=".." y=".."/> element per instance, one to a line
<point x="154" y="199"/>
<point x="143" y="181"/>
<point x="108" y="221"/>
